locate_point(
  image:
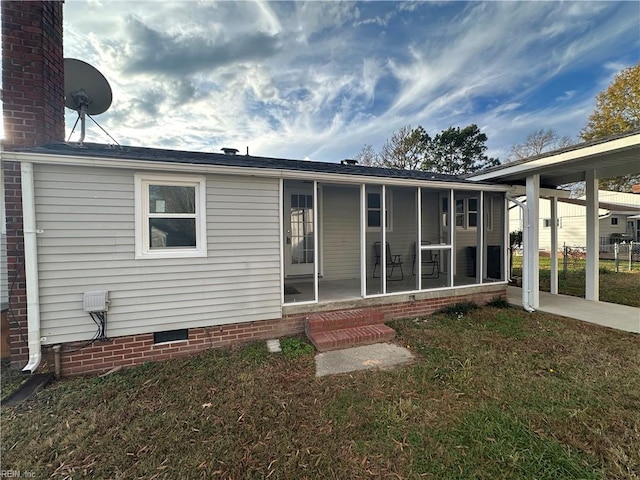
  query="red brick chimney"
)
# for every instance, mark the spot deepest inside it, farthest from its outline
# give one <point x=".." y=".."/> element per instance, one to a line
<point x="33" y="114"/>
<point x="32" y="73"/>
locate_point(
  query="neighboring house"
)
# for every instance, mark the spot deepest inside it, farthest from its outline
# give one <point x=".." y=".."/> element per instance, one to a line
<point x="201" y="250"/>
<point x="619" y="219"/>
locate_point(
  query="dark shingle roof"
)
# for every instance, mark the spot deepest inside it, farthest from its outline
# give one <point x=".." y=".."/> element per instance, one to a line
<point x="204" y="158"/>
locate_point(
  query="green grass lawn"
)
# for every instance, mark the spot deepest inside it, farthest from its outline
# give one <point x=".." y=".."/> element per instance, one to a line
<point x="493" y="394"/>
<point x="622" y="287"/>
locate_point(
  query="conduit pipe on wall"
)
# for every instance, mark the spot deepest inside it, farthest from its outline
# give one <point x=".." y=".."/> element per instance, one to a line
<point x="31" y="267"/>
<point x="526" y="288"/>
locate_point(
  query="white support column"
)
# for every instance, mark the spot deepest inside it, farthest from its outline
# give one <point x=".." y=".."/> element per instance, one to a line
<point x="592" y="283"/>
<point x="452" y="237"/>
<point x="316" y="270"/>
<point x="383" y="243"/>
<point x="480" y="240"/>
<point x="506" y="241"/>
<point x="533" y="240"/>
<point x="554" y="244"/>
<point x="282" y="236"/>
<point x="418" y="253"/>
<point x="363" y="241"/>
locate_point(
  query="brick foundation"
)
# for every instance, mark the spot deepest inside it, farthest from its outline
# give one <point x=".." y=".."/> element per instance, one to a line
<point x="430" y="305"/>
<point x="137" y="349"/>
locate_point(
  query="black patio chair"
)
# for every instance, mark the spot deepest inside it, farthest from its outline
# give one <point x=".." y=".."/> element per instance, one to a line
<point x="430" y="264"/>
<point x="392" y="261"/>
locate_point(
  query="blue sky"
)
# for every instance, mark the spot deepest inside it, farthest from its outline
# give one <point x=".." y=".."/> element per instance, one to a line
<point x="319" y="80"/>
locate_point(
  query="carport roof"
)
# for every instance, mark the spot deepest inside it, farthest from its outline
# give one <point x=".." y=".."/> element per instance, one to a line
<point x="610" y="157"/>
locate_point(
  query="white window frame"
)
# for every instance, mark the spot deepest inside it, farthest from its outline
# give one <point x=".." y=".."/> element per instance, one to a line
<point x="142" y="215"/>
<point x="387" y="217"/>
<point x="466" y="212"/>
<point x="462" y="214"/>
<point x="614" y="221"/>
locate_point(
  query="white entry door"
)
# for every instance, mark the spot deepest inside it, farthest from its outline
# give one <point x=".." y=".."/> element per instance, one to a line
<point x="299" y="248"/>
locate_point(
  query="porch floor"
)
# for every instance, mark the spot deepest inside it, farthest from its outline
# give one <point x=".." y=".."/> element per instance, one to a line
<point x="340" y="290"/>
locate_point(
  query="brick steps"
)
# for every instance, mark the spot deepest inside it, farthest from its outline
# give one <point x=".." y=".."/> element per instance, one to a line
<point x="350" y="328"/>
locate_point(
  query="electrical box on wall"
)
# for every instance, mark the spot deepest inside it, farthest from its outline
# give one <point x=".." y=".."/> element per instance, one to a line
<point x="96" y="301"/>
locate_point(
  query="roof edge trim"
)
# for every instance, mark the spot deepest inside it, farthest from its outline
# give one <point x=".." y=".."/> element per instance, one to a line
<point x="129" y="164"/>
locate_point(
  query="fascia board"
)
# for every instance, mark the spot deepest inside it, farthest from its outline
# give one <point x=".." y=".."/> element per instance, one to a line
<point x="520" y="190"/>
<point x="572" y="155"/>
<point x="242" y="171"/>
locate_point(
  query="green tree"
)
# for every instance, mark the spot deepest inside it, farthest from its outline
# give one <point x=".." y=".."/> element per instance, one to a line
<point x="617" y="107"/>
<point x="617" y="111"/>
<point x="457" y="151"/>
<point x="454" y="151"/>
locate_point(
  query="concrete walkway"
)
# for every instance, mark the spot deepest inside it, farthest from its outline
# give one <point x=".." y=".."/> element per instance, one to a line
<point x="367" y="357"/>
<point x="620" y="317"/>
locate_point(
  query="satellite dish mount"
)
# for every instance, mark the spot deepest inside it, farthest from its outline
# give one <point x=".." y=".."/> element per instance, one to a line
<point x="86" y="91"/>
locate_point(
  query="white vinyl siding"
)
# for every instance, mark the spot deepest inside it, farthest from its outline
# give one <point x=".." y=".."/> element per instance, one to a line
<point x="402" y="239"/>
<point x="341" y="232"/>
<point x="87" y="243"/>
<point x="494" y="232"/>
<point x="433" y="231"/>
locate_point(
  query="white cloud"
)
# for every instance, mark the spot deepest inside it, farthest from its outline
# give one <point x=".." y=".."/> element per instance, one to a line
<point x="321" y="79"/>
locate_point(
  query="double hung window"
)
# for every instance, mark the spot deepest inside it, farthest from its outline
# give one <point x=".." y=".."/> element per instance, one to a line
<point x="170" y="216"/>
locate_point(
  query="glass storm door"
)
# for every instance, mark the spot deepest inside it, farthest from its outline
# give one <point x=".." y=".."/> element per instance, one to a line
<point x="299" y="229"/>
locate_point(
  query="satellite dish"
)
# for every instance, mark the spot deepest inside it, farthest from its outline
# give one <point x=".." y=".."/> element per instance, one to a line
<point x="85" y="90"/>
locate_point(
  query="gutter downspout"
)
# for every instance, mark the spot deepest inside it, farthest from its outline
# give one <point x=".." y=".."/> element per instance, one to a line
<point x="525" y="263"/>
<point x="31" y="267"/>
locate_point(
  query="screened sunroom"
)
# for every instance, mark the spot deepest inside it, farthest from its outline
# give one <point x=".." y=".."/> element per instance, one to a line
<point x="345" y="241"/>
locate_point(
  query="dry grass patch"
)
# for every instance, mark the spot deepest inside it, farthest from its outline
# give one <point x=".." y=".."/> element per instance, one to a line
<point x="494" y="393"/>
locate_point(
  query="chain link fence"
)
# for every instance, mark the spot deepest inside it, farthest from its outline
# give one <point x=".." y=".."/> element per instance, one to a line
<point x="617" y="256"/>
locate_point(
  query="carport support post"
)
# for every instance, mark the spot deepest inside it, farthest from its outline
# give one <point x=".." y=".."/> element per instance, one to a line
<point x="592" y="284"/>
<point x="533" y="240"/>
<point x="554" y="245"/>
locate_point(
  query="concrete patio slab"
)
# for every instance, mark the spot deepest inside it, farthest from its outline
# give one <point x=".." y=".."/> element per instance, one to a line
<point x="620" y="317"/>
<point x="367" y="357"/>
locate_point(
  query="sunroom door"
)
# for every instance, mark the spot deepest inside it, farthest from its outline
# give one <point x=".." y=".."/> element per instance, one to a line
<point x="299" y="248"/>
